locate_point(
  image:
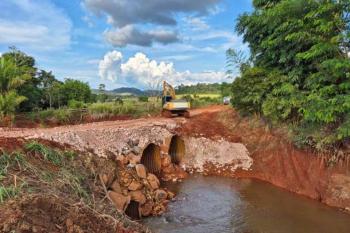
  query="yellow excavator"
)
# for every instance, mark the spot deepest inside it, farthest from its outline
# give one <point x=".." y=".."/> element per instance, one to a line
<point x="171" y="105"/>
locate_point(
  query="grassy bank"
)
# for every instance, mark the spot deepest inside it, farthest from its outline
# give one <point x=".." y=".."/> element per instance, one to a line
<point x="45" y="189"/>
<point x="88" y="113"/>
<point x="128" y="108"/>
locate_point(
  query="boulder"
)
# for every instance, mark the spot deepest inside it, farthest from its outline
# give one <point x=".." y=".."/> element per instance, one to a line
<point x="134" y="159"/>
<point x="116" y="186"/>
<point x="122" y="160"/>
<point x="146" y="209"/>
<point x="161" y="195"/>
<point x="169" y="169"/>
<point x="153" y="181"/>
<point x="166" y="160"/>
<point x="138" y="196"/>
<point x="135" y="185"/>
<point x="141" y="171"/>
<point x="107" y="178"/>
<point x="104" y="179"/>
<point x="125" y="179"/>
<point x="120" y="201"/>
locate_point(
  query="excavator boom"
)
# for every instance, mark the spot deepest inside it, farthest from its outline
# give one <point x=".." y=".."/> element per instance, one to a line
<point x="168" y="90"/>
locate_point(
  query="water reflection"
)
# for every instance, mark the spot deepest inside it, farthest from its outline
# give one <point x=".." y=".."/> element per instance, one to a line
<point x="215" y="204"/>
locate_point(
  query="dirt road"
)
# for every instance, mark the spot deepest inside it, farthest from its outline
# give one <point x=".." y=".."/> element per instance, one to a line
<point x="105" y="125"/>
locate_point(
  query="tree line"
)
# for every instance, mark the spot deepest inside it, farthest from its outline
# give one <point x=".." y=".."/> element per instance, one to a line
<point x="205" y="88"/>
<point x="299" y="68"/>
<point x="24" y="87"/>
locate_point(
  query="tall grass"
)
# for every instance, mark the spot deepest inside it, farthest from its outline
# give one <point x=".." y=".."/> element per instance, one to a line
<point x="48" y="154"/>
<point x="131" y="108"/>
<point x="8" y="192"/>
<point x="8" y="160"/>
<point x="95" y="111"/>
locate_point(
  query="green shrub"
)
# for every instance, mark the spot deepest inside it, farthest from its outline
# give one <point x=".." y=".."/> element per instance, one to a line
<point x="75" y="104"/>
<point x="48" y="153"/>
<point x="8" y="192"/>
<point x="143" y="98"/>
<point x="8" y="160"/>
<point x="299" y="68"/>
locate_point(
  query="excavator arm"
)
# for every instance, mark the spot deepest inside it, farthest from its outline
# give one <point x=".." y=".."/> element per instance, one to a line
<point x="168" y="90"/>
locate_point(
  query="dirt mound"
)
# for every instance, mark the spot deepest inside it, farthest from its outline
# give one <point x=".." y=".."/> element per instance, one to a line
<point x="207" y="125"/>
<point x="54" y="214"/>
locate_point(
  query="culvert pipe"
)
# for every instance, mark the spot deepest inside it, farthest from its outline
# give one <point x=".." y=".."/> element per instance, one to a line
<point x="151" y="158"/>
<point x="176" y="149"/>
<point x="133" y="210"/>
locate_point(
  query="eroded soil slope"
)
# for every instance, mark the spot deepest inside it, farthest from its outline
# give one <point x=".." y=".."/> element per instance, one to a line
<point x="275" y="158"/>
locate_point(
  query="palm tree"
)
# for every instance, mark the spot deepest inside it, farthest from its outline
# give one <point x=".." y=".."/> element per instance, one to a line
<point x="12" y="77"/>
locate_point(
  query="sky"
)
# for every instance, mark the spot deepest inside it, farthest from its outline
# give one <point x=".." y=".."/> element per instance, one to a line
<point x="125" y="43"/>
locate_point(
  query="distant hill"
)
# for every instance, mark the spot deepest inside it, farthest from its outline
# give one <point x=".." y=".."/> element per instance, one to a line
<point x="122" y="91"/>
<point x="127" y="91"/>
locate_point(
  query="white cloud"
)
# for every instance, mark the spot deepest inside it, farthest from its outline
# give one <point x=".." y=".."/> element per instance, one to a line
<point x="142" y="72"/>
<point x="177" y="57"/>
<point x="197" y="23"/>
<point x="109" y="67"/>
<point x="35" y="24"/>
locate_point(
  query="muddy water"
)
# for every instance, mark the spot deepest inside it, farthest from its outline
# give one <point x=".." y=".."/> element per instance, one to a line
<point x="212" y="204"/>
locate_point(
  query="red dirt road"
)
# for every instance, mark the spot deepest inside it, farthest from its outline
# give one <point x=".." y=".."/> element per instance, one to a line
<point x="28" y="132"/>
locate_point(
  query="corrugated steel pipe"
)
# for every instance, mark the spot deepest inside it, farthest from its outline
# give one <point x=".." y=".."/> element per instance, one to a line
<point x="177" y="149"/>
<point x="151" y="158"/>
<point x="133" y="210"/>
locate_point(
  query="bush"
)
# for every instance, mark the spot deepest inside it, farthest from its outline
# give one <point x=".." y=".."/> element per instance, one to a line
<point x="143" y="98"/>
<point x="75" y="104"/>
<point x="299" y="68"/>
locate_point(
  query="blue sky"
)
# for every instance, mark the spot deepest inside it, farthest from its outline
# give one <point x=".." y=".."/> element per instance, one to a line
<point x="125" y="42"/>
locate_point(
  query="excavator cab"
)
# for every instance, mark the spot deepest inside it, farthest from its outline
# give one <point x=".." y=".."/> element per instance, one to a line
<point x="166" y="99"/>
<point x="171" y="105"/>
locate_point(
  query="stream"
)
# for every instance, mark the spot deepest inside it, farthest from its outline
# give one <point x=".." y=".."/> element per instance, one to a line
<point x="216" y="204"/>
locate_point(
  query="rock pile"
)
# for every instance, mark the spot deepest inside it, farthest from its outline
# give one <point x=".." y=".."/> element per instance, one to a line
<point x="170" y="171"/>
<point x="136" y="192"/>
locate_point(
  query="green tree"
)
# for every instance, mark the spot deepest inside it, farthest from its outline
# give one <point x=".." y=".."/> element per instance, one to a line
<point x="12" y="77"/>
<point x="29" y="89"/>
<point x="102" y="96"/>
<point x="75" y="90"/>
<point x="48" y="84"/>
<point x="302" y="48"/>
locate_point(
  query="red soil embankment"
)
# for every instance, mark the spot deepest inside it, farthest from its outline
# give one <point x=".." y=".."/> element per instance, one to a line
<point x="276" y="160"/>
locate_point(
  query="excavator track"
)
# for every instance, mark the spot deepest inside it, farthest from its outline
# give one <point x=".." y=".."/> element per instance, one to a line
<point x="167" y="113"/>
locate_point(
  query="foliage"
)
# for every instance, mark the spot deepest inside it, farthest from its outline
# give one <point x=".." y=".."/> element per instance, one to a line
<point x="200" y="88"/>
<point x="12" y="77"/>
<point x="102" y="96"/>
<point x="8" y="160"/>
<point x="32" y="175"/>
<point x="8" y="192"/>
<point x="48" y="154"/>
<point x="75" y="104"/>
<point x="75" y="90"/>
<point x="299" y="70"/>
<point x="143" y="98"/>
<point x="202" y="101"/>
